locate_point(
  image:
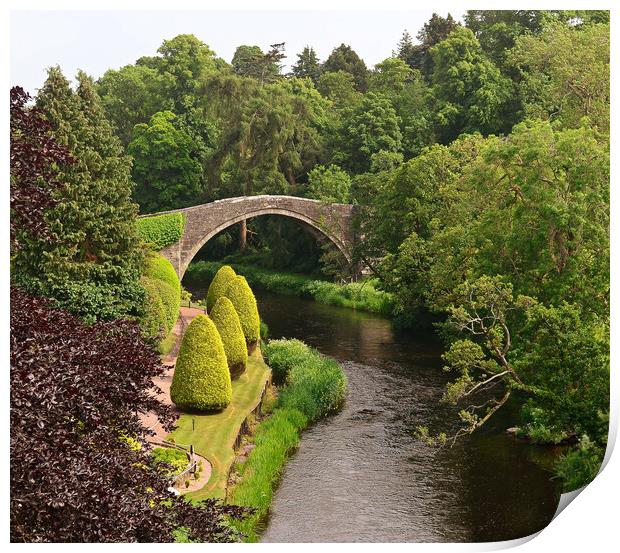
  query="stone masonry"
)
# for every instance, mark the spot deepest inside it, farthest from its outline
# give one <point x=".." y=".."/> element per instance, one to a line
<point x="332" y="221"/>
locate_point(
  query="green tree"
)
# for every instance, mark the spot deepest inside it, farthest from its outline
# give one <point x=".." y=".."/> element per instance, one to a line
<point x="339" y="87"/>
<point x="344" y="58"/>
<point x="434" y="31"/>
<point x="166" y="170"/>
<point x="92" y="264"/>
<point x="390" y="77"/>
<point x="307" y="65"/>
<point x="184" y="60"/>
<point x="471" y="93"/>
<point x="201" y="378"/>
<point x="251" y="61"/>
<point x="228" y="325"/>
<point x="132" y="95"/>
<point x="498" y="30"/>
<point x="365" y="130"/>
<point x="329" y="184"/>
<point x="565" y="74"/>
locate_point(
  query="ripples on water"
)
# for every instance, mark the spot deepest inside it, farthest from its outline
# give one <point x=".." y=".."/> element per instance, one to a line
<point x="360" y="476"/>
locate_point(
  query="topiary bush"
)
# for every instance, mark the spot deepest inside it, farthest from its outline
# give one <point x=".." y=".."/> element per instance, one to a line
<point x="162" y="230"/>
<point x="158" y="267"/>
<point x="165" y="282"/>
<point x="201" y="378"/>
<point x="153" y="322"/>
<point x="242" y="298"/>
<point x="228" y="325"/>
<point x="171" y="301"/>
<point x="219" y="285"/>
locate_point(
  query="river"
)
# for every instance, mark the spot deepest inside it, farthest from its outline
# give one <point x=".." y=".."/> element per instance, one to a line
<point x="361" y="475"/>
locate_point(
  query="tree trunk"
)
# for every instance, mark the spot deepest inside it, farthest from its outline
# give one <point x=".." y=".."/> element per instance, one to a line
<point x="243" y="235"/>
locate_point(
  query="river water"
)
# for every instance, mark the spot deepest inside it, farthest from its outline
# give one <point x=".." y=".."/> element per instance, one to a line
<point x="361" y="476"/>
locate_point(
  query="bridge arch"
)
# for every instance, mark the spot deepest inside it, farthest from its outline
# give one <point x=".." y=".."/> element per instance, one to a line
<point x="203" y="222"/>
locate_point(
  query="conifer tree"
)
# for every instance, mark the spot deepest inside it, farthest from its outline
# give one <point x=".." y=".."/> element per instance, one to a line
<point x="307" y="65"/>
<point x="92" y="265"/>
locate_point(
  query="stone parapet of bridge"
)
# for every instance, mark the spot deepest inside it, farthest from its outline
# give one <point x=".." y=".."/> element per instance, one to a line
<point x="203" y="222"/>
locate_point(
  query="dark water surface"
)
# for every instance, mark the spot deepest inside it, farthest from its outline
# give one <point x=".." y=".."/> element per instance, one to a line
<point x="361" y="476"/>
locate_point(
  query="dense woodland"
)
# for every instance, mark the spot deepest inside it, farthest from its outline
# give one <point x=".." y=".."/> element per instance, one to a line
<point x="477" y="154"/>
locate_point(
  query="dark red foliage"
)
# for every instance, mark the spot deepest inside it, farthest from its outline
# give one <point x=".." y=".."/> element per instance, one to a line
<point x="35" y="158"/>
<point x="74" y="390"/>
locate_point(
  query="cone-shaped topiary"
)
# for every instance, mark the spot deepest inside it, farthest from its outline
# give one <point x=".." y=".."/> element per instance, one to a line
<point x="222" y="279"/>
<point x="244" y="302"/>
<point x="228" y="325"/>
<point x="153" y="320"/>
<point x="201" y="378"/>
<point x="157" y="266"/>
<point x="171" y="301"/>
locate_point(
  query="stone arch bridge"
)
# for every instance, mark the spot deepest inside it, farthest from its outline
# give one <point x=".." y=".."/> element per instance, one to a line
<point x="202" y="222"/>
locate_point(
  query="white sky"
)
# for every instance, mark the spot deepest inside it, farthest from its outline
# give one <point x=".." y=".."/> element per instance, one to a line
<point x="95" y="41"/>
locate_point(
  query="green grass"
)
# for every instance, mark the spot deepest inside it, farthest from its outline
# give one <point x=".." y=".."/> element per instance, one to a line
<point x="356" y="295"/>
<point x="314" y="387"/>
<point x="214" y="434"/>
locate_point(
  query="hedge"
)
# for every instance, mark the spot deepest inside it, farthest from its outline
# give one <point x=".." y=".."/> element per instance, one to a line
<point x="228" y="325"/>
<point x="201" y="378"/>
<point x="153" y="320"/>
<point x="161" y="231"/>
<point x="244" y="302"/>
<point x="222" y="279"/>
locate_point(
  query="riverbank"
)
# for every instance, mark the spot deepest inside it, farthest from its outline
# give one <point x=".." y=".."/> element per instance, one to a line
<point x="363" y="295"/>
<point x="314" y="388"/>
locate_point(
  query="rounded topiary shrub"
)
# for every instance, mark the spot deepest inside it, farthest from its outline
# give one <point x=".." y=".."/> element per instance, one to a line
<point x="242" y="298"/>
<point x="219" y="285"/>
<point x="158" y="267"/>
<point x="201" y="378"/>
<point x="153" y="321"/>
<point x="228" y="325"/>
<point x="171" y="301"/>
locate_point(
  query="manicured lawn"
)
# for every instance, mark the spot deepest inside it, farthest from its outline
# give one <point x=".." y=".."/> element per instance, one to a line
<point x="214" y="434"/>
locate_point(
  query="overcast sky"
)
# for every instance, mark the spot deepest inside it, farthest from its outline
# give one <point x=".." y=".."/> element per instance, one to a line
<point x="99" y="40"/>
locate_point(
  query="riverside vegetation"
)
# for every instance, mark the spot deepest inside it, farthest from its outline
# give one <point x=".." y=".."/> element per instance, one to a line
<point x="356" y="295"/>
<point x="482" y="193"/>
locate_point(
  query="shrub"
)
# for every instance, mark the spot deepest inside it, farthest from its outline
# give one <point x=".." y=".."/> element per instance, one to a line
<point x="153" y="320"/>
<point x="160" y="272"/>
<point x="242" y="298"/>
<point x="172" y="461"/>
<point x="171" y="302"/>
<point x="228" y="325"/>
<point x="315" y="384"/>
<point x="580" y="465"/>
<point x="161" y="231"/>
<point x="222" y="279"/>
<point x="201" y="379"/>
<point x="158" y="267"/>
